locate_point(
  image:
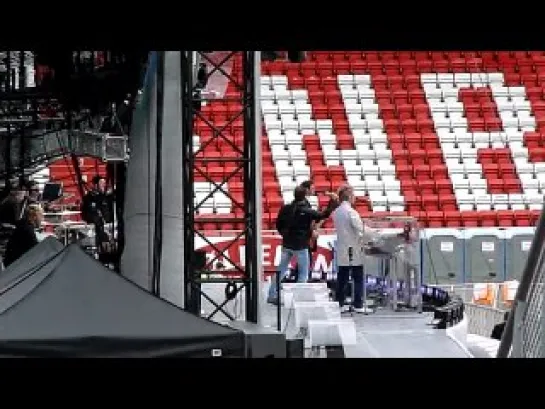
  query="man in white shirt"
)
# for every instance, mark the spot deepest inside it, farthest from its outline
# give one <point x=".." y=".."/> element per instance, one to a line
<point x="349" y="252"/>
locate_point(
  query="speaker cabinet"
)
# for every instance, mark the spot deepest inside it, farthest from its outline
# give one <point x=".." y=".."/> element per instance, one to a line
<point x="261" y="342"/>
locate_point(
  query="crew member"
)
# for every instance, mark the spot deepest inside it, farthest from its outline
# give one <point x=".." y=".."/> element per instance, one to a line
<point x="24" y="235"/>
<point x="97" y="209"/>
<point x="308" y="185"/>
<point x="197" y="99"/>
<point x="16" y="202"/>
<point x="10" y="208"/>
<point x="313" y="243"/>
<point x="349" y="252"/>
<point x="408" y="234"/>
<point x="294" y="225"/>
<point x="202" y="76"/>
<point x="31" y="194"/>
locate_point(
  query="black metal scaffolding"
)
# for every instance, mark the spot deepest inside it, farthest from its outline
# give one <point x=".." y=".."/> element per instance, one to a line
<point x="17" y="113"/>
<point x="246" y="161"/>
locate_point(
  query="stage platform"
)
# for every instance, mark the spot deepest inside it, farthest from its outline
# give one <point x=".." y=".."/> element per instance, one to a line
<point x="384" y="334"/>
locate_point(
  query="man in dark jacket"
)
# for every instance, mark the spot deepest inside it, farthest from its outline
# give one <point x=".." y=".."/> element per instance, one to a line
<point x="97" y="209"/>
<point x="313" y="243"/>
<point x="309" y="186"/>
<point x="15" y="203"/>
<point x="10" y="207"/>
<point x="294" y="225"/>
<point x="24" y="235"/>
<point x="97" y="204"/>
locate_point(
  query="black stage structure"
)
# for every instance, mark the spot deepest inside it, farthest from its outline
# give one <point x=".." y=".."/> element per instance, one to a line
<point x="55" y="297"/>
<point x="85" y="98"/>
<point x="84" y="95"/>
<point x="247" y="162"/>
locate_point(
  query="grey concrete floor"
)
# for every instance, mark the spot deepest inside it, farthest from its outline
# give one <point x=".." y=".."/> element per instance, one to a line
<point x="384" y="334"/>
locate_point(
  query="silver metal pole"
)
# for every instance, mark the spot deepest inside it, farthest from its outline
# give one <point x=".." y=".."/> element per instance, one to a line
<point x="364" y="294"/>
<point x="518" y="335"/>
<point x="533" y="263"/>
<point x="393" y="273"/>
<point x="542" y="335"/>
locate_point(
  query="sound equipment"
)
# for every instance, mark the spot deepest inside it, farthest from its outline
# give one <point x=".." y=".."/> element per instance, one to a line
<point x="51" y="192"/>
<point x="295" y="348"/>
<point x="115" y="148"/>
<point x="335" y="352"/>
<point x="261" y="342"/>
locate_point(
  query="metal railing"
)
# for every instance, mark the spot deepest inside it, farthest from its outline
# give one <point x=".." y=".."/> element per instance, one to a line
<point x="466" y="292"/>
<point x="482" y="319"/>
<point x="524" y="333"/>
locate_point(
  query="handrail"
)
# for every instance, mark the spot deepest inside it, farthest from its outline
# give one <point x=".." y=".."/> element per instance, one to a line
<point x="533" y="266"/>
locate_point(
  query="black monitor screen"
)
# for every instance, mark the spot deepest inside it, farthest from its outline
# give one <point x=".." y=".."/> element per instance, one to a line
<point x="52" y="191"/>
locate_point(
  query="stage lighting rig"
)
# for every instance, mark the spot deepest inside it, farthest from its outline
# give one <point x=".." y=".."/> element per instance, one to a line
<point x="92" y="79"/>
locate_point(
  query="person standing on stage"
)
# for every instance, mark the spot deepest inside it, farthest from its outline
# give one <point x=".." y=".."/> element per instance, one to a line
<point x="13" y="207"/>
<point x="315" y="226"/>
<point x="97" y="208"/>
<point x="24" y="235"/>
<point x="349" y="252"/>
<point x="294" y="225"/>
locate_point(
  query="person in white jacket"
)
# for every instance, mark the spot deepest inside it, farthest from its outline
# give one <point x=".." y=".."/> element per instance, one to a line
<point x="350" y="249"/>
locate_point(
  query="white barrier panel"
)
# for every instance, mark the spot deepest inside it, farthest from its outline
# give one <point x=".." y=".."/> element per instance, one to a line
<point x="307" y="286"/>
<point x="304" y="292"/>
<point x="288" y="298"/>
<point x="482" y="347"/>
<point x="458" y="333"/>
<point x="339" y="332"/>
<point x="299" y="292"/>
<point x="481" y="319"/>
<point x="305" y="311"/>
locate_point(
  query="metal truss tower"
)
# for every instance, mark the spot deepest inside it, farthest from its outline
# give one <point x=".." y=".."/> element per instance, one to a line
<point x="244" y="160"/>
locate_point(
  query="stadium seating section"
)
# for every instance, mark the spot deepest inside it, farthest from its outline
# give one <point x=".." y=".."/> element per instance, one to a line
<point x="62" y="171"/>
<point x="452" y="138"/>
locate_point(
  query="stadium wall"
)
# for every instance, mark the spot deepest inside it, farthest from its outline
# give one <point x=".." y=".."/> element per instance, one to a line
<point x="448" y="256"/>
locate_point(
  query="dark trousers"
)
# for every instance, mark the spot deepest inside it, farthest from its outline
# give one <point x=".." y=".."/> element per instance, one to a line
<point x="310" y="265"/>
<point x="102" y="242"/>
<point x="343" y="277"/>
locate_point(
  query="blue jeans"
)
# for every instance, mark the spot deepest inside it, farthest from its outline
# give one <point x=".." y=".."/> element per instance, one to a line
<point x="285" y="258"/>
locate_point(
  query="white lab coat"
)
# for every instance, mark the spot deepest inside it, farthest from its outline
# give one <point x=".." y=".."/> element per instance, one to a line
<point x="350" y="233"/>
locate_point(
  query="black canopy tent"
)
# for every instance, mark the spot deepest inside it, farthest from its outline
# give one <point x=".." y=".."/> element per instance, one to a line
<point x="59" y="302"/>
